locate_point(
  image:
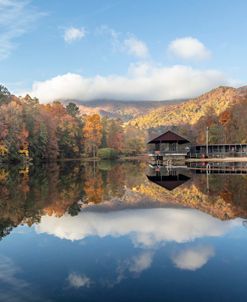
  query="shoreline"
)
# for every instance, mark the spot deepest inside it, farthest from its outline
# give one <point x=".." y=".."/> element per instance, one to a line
<point x="89" y="159"/>
<point x="217" y="160"/>
<point x="142" y="157"/>
<point x="79" y="159"/>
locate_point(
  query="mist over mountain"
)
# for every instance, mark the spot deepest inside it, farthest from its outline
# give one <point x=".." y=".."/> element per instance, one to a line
<point x="124" y="110"/>
<point x="223" y="110"/>
<point x="182" y="113"/>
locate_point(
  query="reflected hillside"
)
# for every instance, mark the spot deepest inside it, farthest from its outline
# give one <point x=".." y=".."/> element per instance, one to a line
<point x="28" y="193"/>
<point x="220" y="195"/>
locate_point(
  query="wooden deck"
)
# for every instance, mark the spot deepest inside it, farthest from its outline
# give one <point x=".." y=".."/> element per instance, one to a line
<point x="216" y="159"/>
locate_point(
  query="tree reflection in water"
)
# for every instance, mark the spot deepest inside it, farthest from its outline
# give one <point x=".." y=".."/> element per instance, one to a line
<point x="28" y="193"/>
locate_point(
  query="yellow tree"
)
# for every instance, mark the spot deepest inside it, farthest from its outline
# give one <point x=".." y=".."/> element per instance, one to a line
<point x="115" y="135"/>
<point x="92" y="133"/>
<point x="135" y="140"/>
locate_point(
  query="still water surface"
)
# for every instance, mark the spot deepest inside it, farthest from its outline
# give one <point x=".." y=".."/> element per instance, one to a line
<point x="122" y="232"/>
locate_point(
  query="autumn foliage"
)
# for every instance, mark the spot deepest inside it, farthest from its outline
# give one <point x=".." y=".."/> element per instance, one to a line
<point x="223" y="110"/>
<point x="92" y="133"/>
<point x="47" y="132"/>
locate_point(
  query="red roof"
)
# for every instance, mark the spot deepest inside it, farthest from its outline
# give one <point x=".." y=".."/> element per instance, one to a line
<point x="169" y="137"/>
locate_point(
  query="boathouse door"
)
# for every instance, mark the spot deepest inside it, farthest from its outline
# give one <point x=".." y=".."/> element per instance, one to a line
<point x="173" y="147"/>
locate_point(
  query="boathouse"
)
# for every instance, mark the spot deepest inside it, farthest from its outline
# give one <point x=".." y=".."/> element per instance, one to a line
<point x="172" y="145"/>
<point x="169" y="144"/>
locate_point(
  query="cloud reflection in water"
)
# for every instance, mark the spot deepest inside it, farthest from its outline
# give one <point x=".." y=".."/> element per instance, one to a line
<point x="145" y="227"/>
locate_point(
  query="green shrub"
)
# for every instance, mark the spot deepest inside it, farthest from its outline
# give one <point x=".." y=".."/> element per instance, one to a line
<point x="106" y="165"/>
<point x="107" y="153"/>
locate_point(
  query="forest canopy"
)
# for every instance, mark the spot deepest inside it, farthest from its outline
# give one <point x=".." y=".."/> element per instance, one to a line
<point x="47" y="132"/>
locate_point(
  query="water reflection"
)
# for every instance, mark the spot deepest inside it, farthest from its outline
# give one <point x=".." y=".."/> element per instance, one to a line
<point x="28" y="193"/>
<point x="145" y="227"/>
<point x="221" y="194"/>
<point x="193" y="258"/>
<point x="93" y="231"/>
<point x="168" y="179"/>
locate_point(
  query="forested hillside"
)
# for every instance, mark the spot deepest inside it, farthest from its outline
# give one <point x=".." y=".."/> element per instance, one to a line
<point x="47" y="132"/>
<point x="223" y="110"/>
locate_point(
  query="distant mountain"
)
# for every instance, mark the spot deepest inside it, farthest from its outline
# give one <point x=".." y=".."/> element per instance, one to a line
<point x="190" y="112"/>
<point x="125" y="110"/>
<point x="223" y="110"/>
<point x="242" y="91"/>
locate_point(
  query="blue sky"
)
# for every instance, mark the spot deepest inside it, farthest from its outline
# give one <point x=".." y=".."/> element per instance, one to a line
<point x="121" y="49"/>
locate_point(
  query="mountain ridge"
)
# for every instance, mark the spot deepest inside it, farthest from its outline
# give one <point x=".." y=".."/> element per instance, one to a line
<point x="189" y="112"/>
<point x="150" y="114"/>
<point x="125" y="110"/>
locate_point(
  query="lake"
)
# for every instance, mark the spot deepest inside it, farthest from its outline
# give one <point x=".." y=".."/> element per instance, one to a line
<point x="123" y="231"/>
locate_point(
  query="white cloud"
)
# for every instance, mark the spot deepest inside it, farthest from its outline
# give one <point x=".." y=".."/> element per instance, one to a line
<point x="189" y="48"/>
<point x="16" y="18"/>
<point x="13" y="288"/>
<point x="75" y="280"/>
<point x="141" y="262"/>
<point x="145" y="227"/>
<point x="193" y="259"/>
<point x="136" y="47"/>
<point x="124" y="43"/>
<point x="142" y="82"/>
<point x="135" y="265"/>
<point x="73" y="34"/>
<point x="105" y="30"/>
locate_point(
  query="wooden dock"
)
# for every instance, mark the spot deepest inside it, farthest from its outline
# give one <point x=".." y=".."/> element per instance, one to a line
<point x="217" y="160"/>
